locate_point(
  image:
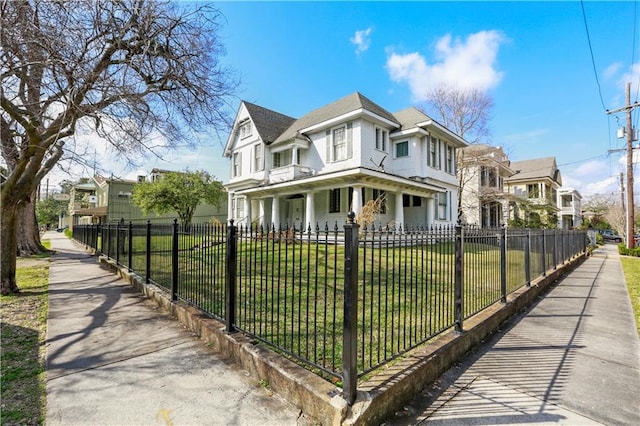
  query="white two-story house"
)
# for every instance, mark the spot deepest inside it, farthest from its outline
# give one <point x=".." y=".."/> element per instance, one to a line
<point x="313" y="170"/>
<point x="485" y="200"/>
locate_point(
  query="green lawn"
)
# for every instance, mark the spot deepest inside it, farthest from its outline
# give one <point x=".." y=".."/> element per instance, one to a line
<point x="631" y="267"/>
<point x="24" y="320"/>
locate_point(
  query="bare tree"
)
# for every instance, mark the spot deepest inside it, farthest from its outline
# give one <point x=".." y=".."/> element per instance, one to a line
<point x="466" y="113"/>
<point x="132" y="70"/>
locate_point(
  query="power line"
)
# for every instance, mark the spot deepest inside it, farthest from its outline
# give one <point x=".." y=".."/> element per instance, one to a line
<point x="593" y="61"/>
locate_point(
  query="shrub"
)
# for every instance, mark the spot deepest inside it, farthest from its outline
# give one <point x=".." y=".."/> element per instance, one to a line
<point x="623" y="250"/>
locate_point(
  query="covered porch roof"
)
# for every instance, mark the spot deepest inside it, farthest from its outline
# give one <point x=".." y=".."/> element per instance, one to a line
<point x="359" y="176"/>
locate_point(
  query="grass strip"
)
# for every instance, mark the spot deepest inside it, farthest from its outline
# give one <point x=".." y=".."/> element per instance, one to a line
<point x="24" y="322"/>
<point x="631" y="268"/>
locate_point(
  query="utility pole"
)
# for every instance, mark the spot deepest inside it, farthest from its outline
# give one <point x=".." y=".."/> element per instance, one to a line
<point x="630" y="131"/>
<point x="622" y="191"/>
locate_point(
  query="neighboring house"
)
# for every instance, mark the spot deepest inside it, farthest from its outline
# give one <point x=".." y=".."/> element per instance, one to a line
<point x="313" y="170"/>
<point x="570" y="203"/>
<point x="485" y="201"/>
<point x="535" y="184"/>
<point x="103" y="200"/>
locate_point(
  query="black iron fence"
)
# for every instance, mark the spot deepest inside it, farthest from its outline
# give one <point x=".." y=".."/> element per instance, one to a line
<point x="342" y="300"/>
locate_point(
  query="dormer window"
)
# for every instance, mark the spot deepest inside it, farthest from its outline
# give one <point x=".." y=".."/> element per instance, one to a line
<point x="245" y="130"/>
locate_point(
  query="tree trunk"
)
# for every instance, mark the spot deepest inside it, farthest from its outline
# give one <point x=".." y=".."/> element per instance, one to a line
<point x="28" y="235"/>
<point x="8" y="247"/>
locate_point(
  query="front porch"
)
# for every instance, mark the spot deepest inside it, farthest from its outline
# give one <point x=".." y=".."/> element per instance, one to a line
<point x="324" y="200"/>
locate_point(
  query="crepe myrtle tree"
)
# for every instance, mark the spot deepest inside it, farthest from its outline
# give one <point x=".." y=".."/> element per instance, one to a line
<point x="178" y="192"/>
<point x="130" y="71"/>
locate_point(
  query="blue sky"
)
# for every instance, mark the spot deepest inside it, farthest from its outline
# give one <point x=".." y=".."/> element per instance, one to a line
<point x="533" y="58"/>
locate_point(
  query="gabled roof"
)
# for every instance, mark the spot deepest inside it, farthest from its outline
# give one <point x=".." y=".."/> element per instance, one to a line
<point x="350" y="103"/>
<point x="411" y="116"/>
<point x="268" y="123"/>
<point x="536" y="169"/>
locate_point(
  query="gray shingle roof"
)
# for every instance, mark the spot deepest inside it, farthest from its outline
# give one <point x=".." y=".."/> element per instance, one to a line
<point x="352" y="102"/>
<point x="411" y="116"/>
<point x="538" y="168"/>
<point x="269" y="124"/>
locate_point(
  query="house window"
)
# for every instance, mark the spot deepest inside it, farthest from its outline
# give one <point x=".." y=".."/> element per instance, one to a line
<point x="237" y="164"/>
<point x="245" y="130"/>
<point x="381" y="139"/>
<point x="258" y="165"/>
<point x="379" y="196"/>
<point x="334" y="200"/>
<point x="339" y="144"/>
<point x="442" y="205"/>
<point x="277" y="160"/>
<point x="433" y="153"/>
<point x="489" y="177"/>
<point x="417" y="201"/>
<point x="449" y="166"/>
<point x="406" y="200"/>
<point x="402" y="149"/>
<point x="238" y="207"/>
<point x="533" y="190"/>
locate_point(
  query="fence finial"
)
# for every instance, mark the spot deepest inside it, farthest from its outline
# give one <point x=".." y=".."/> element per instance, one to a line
<point x="351" y="217"/>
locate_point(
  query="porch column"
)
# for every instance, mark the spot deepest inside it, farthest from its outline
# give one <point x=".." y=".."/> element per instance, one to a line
<point x="310" y="212"/>
<point x="230" y="206"/>
<point x="399" y="213"/>
<point x="505" y="212"/>
<point x="356" y="200"/>
<point x="261" y="212"/>
<point x="247" y="206"/>
<point x="431" y="210"/>
<point x="294" y="155"/>
<point x="275" y="212"/>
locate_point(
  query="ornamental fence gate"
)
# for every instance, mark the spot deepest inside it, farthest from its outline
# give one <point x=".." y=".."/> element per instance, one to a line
<point x="343" y="301"/>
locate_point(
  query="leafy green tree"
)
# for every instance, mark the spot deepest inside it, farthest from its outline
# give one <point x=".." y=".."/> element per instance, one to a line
<point x="48" y="210"/>
<point x="178" y="192"/>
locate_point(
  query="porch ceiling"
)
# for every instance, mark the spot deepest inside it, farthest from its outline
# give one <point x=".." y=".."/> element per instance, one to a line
<point x="353" y="177"/>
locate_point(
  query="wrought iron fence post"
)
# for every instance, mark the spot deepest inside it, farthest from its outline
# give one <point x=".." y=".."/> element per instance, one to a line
<point x="130" y="247"/>
<point x="544" y="254"/>
<point x="459" y="290"/>
<point x="118" y="243"/>
<point x="350" y="335"/>
<point x="147" y="254"/>
<point x="503" y="264"/>
<point x="555" y="250"/>
<point x="100" y="236"/>
<point x="230" y="277"/>
<point x="174" y="262"/>
<point x="109" y="241"/>
<point x="527" y="257"/>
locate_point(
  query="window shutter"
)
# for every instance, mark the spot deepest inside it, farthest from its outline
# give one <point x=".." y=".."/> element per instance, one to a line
<point x="349" y="140"/>
<point x="328" y="157"/>
<point x="240" y="164"/>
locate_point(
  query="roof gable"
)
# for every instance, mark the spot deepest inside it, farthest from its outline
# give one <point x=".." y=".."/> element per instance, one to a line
<point x="350" y="103"/>
<point x="538" y="168"/>
<point x="268" y="123"/>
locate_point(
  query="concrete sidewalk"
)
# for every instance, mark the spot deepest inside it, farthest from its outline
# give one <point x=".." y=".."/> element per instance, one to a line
<point x="572" y="358"/>
<point x="113" y="358"/>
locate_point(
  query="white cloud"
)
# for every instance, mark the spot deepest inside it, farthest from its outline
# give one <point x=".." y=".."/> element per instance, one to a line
<point x="632" y="75"/>
<point x="362" y="40"/>
<point x="612" y="70"/>
<point x="464" y="64"/>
